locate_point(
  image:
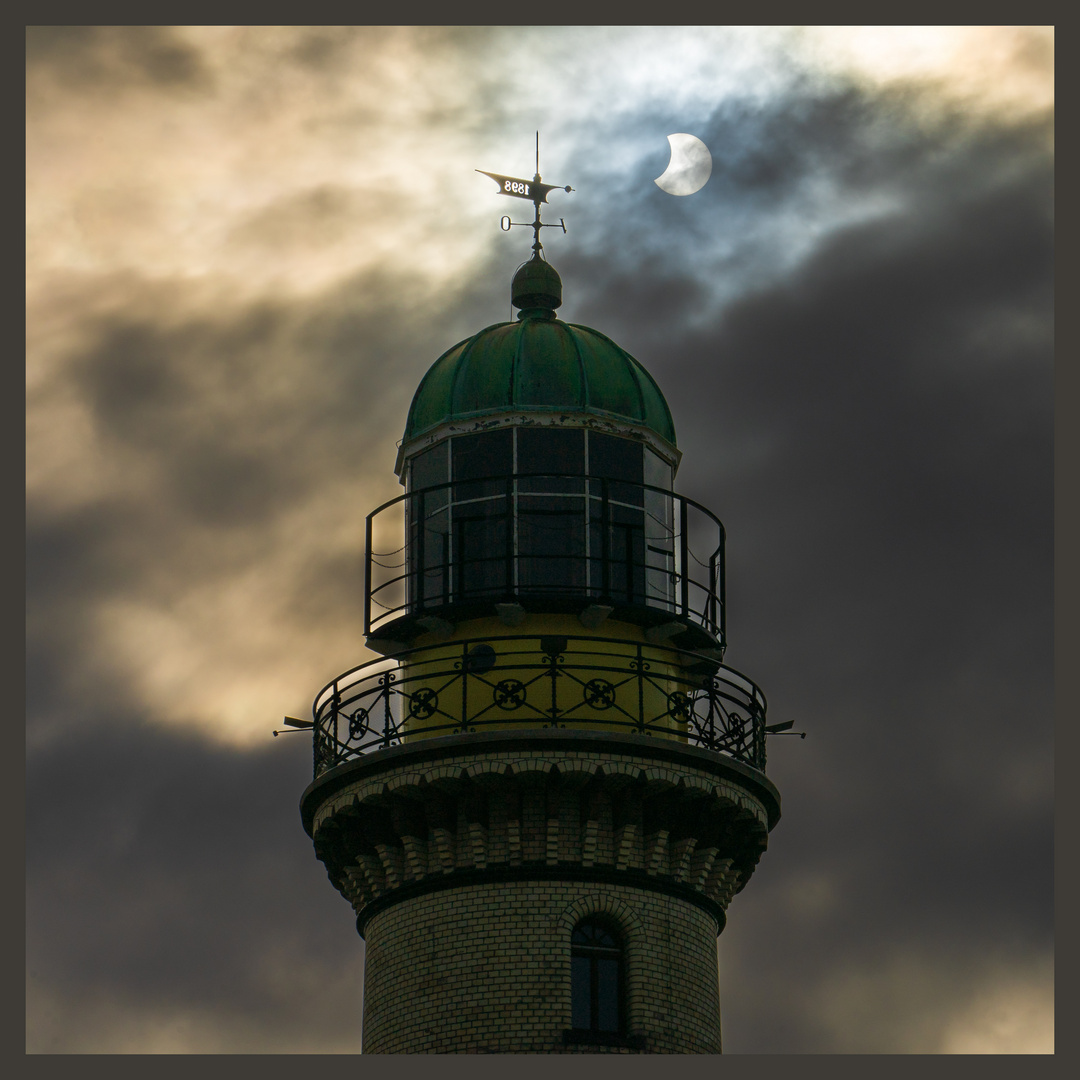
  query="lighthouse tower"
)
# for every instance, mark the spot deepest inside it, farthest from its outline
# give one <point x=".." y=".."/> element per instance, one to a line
<point x="541" y="797"/>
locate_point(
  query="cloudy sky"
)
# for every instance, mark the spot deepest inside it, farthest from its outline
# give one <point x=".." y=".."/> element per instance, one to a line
<point x="245" y="247"/>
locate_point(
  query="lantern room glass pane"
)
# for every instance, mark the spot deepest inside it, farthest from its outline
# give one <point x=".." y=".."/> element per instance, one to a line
<point x="550" y="528"/>
<point x="559" y="453"/>
<point x="481" y="568"/>
<point x="476" y="457"/>
<point x="481" y="511"/>
<point x="430" y="468"/>
<point x="551" y="543"/>
<point x="521" y="517"/>
<point x="659" y="534"/>
<point x="428" y="522"/>
<point x="618" y="459"/>
<point x="617" y="552"/>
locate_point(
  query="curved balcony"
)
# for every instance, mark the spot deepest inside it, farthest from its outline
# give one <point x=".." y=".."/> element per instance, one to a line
<point x="515" y="682"/>
<point x="548" y="542"/>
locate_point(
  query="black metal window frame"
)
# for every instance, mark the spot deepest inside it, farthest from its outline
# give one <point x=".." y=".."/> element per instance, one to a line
<point x="645" y="528"/>
<point x="512" y="508"/>
<point x="600" y="514"/>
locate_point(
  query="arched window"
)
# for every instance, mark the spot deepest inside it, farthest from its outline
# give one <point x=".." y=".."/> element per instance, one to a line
<point x="596" y="978"/>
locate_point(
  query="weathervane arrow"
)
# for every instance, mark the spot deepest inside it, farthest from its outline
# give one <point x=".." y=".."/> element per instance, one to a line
<point x="534" y="191"/>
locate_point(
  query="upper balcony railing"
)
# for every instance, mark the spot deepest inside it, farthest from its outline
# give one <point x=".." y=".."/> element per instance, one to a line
<point x="545" y="537"/>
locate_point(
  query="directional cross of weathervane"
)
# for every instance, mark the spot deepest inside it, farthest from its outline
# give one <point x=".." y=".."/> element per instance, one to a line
<point x="532" y="190"/>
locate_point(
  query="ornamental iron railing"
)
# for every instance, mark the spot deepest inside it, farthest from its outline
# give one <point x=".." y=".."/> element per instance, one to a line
<point x="515" y="682"/>
<point x="545" y="536"/>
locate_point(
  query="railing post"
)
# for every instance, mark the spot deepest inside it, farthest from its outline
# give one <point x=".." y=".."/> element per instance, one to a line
<point x="683" y="519"/>
<point x="445" y="537"/>
<point x="554" y="690"/>
<point x="334" y="705"/>
<point x="367" y="576"/>
<point x="605" y="542"/>
<point x="510" y="535"/>
<point x="464" y="684"/>
<point x="641" y="690"/>
<point x="723" y="597"/>
<point x="712" y="715"/>
<point x="711" y="610"/>
<point x="388" y="719"/>
<point x="421" y="558"/>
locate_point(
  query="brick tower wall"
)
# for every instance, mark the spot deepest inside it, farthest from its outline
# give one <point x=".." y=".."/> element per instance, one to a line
<point x="469" y="861"/>
<point x="486" y="969"/>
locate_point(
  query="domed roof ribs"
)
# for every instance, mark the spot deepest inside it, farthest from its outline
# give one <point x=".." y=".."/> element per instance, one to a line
<point x="461" y="367"/>
<point x="529" y="347"/>
<point x="642" y="410"/>
<point x="586" y="389"/>
<point x="519" y="345"/>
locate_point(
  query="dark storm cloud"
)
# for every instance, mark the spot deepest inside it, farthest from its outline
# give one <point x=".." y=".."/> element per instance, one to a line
<point x="227" y="414"/>
<point x="794" y="159"/>
<point x="101" y="58"/>
<point x="901" y="381"/>
<point x="867" y="406"/>
<point x="875" y="428"/>
<point x="168" y="875"/>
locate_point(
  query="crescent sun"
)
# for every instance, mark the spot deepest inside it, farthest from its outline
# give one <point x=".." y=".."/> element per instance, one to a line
<point x="689" y="168"/>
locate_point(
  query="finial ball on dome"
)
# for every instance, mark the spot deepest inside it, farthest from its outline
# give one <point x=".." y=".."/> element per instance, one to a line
<point x="536" y="285"/>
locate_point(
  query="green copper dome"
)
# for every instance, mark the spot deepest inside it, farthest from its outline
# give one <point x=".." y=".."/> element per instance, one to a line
<point x="537" y="364"/>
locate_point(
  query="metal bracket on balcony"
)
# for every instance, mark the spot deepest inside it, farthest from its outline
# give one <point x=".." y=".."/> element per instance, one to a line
<point x="553" y="645"/>
<point x="657" y="635"/>
<point x="595" y="615"/>
<point x="439" y="627"/>
<point x="511" y="614"/>
<point x="386" y="646"/>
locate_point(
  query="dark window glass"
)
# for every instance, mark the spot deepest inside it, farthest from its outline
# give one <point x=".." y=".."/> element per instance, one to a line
<point x="481" y="567"/>
<point x="430" y="549"/>
<point x="543" y="531"/>
<point x="617" y="553"/>
<point x="475" y="457"/>
<point x="482" y="466"/>
<point x="429" y="537"/>
<point x="618" y="459"/>
<point x="551" y="529"/>
<point x="551" y="543"/>
<point x="659" y="533"/>
<point x="429" y="468"/>
<point x="607" y="993"/>
<point x="559" y="453"/>
<point x="581" y="993"/>
<point x="596" y="974"/>
<point x="615" y="458"/>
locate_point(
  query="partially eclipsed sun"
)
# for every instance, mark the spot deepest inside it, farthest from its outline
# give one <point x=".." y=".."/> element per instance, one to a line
<point x="689" y="168"/>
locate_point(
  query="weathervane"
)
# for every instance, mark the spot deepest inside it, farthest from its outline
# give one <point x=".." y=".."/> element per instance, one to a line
<point x="533" y="190"/>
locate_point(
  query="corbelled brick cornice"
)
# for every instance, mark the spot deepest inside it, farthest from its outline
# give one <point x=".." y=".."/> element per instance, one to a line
<point x="548" y="804"/>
